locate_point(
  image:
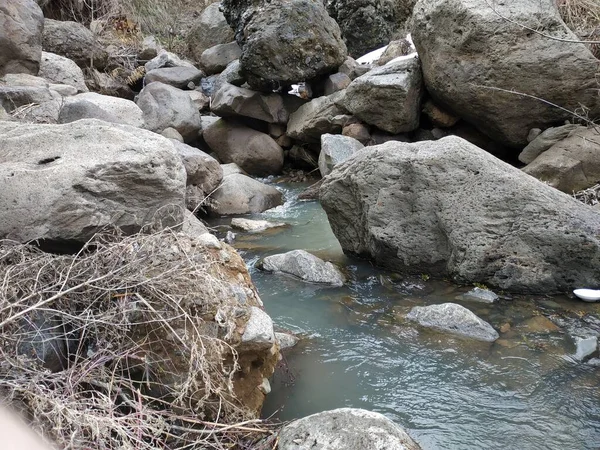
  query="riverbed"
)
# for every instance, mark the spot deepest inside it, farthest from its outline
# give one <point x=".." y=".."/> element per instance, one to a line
<point x="525" y="391"/>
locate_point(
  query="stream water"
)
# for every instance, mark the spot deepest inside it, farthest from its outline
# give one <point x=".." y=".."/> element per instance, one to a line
<point x="522" y="392"/>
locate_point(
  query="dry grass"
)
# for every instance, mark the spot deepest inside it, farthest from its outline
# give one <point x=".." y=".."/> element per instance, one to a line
<point x="583" y="17"/>
<point x="129" y="322"/>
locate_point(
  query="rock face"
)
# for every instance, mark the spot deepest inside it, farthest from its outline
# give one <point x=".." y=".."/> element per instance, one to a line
<point x="345" y="428"/>
<point x="455" y="319"/>
<point x="124" y="111"/>
<point x="465" y="65"/>
<point x="209" y="30"/>
<point x="239" y="194"/>
<point x="336" y="149"/>
<point x="74" y="41"/>
<point x="66" y="182"/>
<point x="305" y="266"/>
<point x="365" y="24"/>
<point x="21" y="25"/>
<point x="61" y="70"/>
<point x="164" y="106"/>
<point x="448" y="208"/>
<point x="571" y="164"/>
<point x="388" y="97"/>
<point x="315" y="118"/>
<point x="231" y="100"/>
<point x="284" y="41"/>
<point x="255" y="152"/>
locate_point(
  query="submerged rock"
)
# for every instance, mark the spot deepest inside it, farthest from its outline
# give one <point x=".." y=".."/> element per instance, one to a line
<point x="479" y="58"/>
<point x="345" y="429"/>
<point x="255" y="225"/>
<point x="284" y="41"/>
<point x="305" y="266"/>
<point x="448" y="208"/>
<point x="479" y="295"/>
<point x="455" y="319"/>
<point x="585" y="346"/>
<point x="286" y="340"/>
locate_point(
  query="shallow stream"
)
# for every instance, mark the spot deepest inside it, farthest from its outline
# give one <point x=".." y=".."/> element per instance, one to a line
<point x="522" y="392"/>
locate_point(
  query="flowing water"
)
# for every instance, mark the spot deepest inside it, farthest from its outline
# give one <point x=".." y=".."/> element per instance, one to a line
<point x="522" y="392"/>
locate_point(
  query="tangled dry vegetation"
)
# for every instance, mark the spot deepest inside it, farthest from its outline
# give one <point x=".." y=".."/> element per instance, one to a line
<point x="88" y="317"/>
<point x="583" y="17"/>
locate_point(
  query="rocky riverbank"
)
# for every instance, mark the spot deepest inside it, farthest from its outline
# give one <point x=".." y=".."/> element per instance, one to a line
<point x="419" y="151"/>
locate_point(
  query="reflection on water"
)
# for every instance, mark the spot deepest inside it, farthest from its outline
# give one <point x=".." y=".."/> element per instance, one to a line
<point x="522" y="392"/>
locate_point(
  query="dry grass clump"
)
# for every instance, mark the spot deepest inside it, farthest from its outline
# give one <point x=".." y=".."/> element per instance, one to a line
<point x="583" y="17"/>
<point x="113" y="322"/>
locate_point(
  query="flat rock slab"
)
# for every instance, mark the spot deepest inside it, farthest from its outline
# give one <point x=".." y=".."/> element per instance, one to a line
<point x="345" y="429"/>
<point x="454" y="319"/>
<point x="179" y="77"/>
<point x="255" y="225"/>
<point x="479" y="295"/>
<point x="305" y="266"/>
<point x="240" y="194"/>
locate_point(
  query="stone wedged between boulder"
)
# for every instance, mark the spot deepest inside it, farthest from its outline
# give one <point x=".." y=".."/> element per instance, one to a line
<point x="449" y="209"/>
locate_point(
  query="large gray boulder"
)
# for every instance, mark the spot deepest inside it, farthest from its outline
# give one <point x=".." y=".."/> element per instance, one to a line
<point x="255" y="152"/>
<point x="365" y="24"/>
<point x="72" y="111"/>
<point x="315" y="118"/>
<point x="117" y="110"/>
<point x="240" y="194"/>
<point x="572" y="164"/>
<point x="61" y="70"/>
<point x="165" y="106"/>
<point x="284" y="41"/>
<point x="305" y="266"/>
<point x="344" y="429"/>
<point x="216" y="59"/>
<point x="472" y="49"/>
<point x="231" y="100"/>
<point x="66" y="182"/>
<point x="179" y="77"/>
<point x="74" y="41"/>
<point x="20" y="90"/>
<point x="388" y="97"/>
<point x="545" y="140"/>
<point x="21" y="24"/>
<point x="454" y="319"/>
<point x="450" y="209"/>
<point x="208" y="30"/>
<point x="336" y="149"/>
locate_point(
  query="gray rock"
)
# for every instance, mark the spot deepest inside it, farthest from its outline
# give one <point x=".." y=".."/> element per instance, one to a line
<point x="149" y="49"/>
<point x="165" y="106"/>
<point x="72" y="111"/>
<point x="344" y="429"/>
<point x="284" y="41"/>
<point x="63" y="89"/>
<point x="216" y="59"/>
<point x="192" y="226"/>
<point x="172" y="133"/>
<point x="74" y="41"/>
<point x="232" y="74"/>
<point x="305" y="266"/>
<point x="166" y="59"/>
<point x="207" y="121"/>
<point x="495" y="48"/>
<point x="67" y="182"/>
<point x="303" y="158"/>
<point x="395" y="49"/>
<point x="179" y="77"/>
<point x="231" y="168"/>
<point x="570" y="165"/>
<point x="231" y="100"/>
<point x="286" y="340"/>
<point x="585" y="346"/>
<point x="239" y="194"/>
<point x="311" y="192"/>
<point x="315" y="118"/>
<point x="125" y="111"/>
<point x="61" y="70"/>
<point x="21" y="24"/>
<point x="14" y="96"/>
<point x="336" y="82"/>
<point x="336" y="149"/>
<point x="366" y="25"/>
<point x="544" y="140"/>
<point x="439" y="116"/>
<point x="594" y="362"/>
<point x="44" y="337"/>
<point x="208" y="30"/>
<point x="255" y="152"/>
<point x="388" y="97"/>
<point x="479" y="295"/>
<point x="200" y="100"/>
<point x="259" y="333"/>
<point x="255" y="225"/>
<point x="454" y="319"/>
<point x="358" y="131"/>
<point x="450" y="209"/>
<point x="353" y="69"/>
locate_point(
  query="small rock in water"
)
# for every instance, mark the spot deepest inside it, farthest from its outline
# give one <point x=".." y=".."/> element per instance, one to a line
<point x="455" y="319"/>
<point x="255" y="225"/>
<point x="594" y="362"/>
<point x="229" y="238"/>
<point x="286" y="340"/>
<point x="585" y="346"/>
<point x="479" y="295"/>
<point x="304" y="266"/>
